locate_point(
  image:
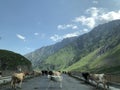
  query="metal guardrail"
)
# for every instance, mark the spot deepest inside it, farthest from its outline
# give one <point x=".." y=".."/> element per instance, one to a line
<point x="4" y="80"/>
<point x="1" y="78"/>
<point x="113" y="78"/>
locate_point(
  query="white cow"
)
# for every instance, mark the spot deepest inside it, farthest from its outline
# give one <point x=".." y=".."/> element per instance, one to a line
<point x="99" y="78"/>
<point x="55" y="77"/>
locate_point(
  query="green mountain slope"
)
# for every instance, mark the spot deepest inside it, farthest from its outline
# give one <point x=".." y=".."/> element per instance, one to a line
<point x="101" y="40"/>
<point x="10" y="61"/>
<point x="60" y="60"/>
<point x="105" y="37"/>
<point x="109" y="62"/>
<point x="40" y="55"/>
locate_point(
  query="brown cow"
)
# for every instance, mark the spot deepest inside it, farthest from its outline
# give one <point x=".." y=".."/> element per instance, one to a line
<point x="17" y="78"/>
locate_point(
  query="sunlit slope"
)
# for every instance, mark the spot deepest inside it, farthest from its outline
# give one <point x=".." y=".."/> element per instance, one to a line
<point x="102" y="39"/>
<point x="108" y="62"/>
<point x="60" y="60"/>
<point x="40" y="55"/>
<point x="97" y="45"/>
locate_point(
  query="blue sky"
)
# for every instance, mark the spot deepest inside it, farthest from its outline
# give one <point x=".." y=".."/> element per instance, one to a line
<point x="26" y="25"/>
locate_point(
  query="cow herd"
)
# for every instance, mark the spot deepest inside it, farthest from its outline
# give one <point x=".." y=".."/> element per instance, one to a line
<point x="56" y="76"/>
<point x="53" y="76"/>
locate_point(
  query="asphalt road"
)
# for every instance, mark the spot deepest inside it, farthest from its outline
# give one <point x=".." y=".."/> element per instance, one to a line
<point x="42" y="83"/>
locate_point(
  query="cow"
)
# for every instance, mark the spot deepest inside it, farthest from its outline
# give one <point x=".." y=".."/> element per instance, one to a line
<point x="17" y="78"/>
<point x="44" y="72"/>
<point x="37" y="73"/>
<point x="55" y="76"/>
<point x="99" y="78"/>
<point x="0" y="73"/>
<point x="86" y="76"/>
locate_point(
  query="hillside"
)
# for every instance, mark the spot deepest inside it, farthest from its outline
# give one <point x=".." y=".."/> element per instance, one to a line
<point x="60" y="60"/>
<point x="108" y="62"/>
<point x="10" y="61"/>
<point x="39" y="55"/>
<point x="102" y="39"/>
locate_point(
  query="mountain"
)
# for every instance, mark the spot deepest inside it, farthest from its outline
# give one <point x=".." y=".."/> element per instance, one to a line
<point x="105" y="49"/>
<point x="99" y="42"/>
<point x="43" y="53"/>
<point x="107" y="62"/>
<point x="11" y="61"/>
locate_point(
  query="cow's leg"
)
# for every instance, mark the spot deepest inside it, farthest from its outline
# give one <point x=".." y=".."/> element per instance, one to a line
<point x="107" y="84"/>
<point x="20" y="84"/>
<point x="50" y="83"/>
<point x="15" y="85"/>
<point x="60" y="84"/>
<point x="97" y="85"/>
<point x="12" y="83"/>
<point x="104" y="84"/>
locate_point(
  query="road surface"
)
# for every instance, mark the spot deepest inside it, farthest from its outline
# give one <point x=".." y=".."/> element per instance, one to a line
<point x="42" y="83"/>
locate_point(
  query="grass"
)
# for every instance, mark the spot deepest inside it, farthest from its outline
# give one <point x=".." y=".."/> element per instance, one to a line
<point x="83" y="62"/>
<point x="61" y="58"/>
<point x="108" y="62"/>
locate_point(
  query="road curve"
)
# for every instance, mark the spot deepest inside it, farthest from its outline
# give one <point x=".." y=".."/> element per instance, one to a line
<point x="42" y="83"/>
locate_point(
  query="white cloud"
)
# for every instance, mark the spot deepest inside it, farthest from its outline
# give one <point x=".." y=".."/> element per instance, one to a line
<point x="36" y="34"/>
<point x="39" y="35"/>
<point x="58" y="37"/>
<point x="20" y="37"/>
<point x="71" y="35"/>
<point x="75" y="27"/>
<point x="55" y="37"/>
<point x="60" y="27"/>
<point x="96" y="16"/>
<point x="93" y="11"/>
<point x="67" y="26"/>
<point x="90" y="22"/>
<point x="85" y="30"/>
<point x="110" y="16"/>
